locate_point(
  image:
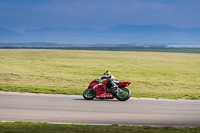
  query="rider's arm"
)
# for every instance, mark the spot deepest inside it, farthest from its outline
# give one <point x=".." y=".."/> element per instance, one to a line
<point x="106" y="76"/>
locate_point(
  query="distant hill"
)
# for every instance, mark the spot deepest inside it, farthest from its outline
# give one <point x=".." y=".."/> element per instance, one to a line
<point x="56" y="45"/>
<point x="121" y="34"/>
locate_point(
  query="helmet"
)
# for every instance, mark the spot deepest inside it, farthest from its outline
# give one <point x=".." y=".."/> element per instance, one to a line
<point x="107" y="72"/>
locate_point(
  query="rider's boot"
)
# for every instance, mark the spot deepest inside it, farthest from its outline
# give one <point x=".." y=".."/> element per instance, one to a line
<point x="114" y="89"/>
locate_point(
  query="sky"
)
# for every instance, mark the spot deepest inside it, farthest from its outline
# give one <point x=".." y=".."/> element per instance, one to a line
<point x="19" y="15"/>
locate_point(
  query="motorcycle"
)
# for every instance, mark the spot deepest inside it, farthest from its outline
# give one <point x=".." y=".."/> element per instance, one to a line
<point x="102" y="90"/>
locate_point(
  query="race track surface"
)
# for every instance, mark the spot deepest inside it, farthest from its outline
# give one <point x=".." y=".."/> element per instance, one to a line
<point x="74" y="109"/>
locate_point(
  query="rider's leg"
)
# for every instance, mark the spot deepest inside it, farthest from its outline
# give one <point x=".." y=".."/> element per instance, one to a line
<point x="114" y="87"/>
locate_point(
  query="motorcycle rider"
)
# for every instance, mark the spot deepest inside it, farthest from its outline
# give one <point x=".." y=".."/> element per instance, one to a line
<point x="111" y="81"/>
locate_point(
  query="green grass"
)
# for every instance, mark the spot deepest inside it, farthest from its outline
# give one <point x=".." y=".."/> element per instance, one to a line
<point x="37" y="127"/>
<point x="153" y="74"/>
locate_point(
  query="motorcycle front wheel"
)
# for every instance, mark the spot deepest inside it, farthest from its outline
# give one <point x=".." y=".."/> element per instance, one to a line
<point x="89" y="95"/>
<point x="124" y="95"/>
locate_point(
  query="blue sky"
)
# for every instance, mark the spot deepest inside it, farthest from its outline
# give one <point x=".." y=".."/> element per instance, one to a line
<point x="19" y="15"/>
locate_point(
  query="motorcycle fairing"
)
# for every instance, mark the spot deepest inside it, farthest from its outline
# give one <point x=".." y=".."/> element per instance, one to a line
<point x="101" y="92"/>
<point x="100" y="89"/>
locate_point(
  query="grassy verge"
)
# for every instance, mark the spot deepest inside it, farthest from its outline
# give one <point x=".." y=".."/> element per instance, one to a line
<point x="153" y="74"/>
<point x="33" y="127"/>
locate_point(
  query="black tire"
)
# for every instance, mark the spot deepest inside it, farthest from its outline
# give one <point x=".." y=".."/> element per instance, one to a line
<point x="124" y="97"/>
<point x="89" y="95"/>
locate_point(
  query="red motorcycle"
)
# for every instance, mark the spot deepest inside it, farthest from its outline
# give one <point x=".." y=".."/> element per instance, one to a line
<point x="102" y="90"/>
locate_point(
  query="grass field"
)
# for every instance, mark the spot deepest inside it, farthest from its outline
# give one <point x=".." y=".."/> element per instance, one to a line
<point x="36" y="127"/>
<point x="153" y="74"/>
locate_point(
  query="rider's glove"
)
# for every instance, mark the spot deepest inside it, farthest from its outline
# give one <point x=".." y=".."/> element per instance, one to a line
<point x="98" y="79"/>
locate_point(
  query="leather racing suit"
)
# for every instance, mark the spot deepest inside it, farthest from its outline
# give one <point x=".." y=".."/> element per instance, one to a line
<point x="111" y="81"/>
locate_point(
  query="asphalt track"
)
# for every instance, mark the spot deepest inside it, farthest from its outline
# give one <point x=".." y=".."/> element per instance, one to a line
<point x="76" y="110"/>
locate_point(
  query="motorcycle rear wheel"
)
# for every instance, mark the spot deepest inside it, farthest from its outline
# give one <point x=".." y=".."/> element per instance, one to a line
<point x="125" y="95"/>
<point x="89" y="95"/>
